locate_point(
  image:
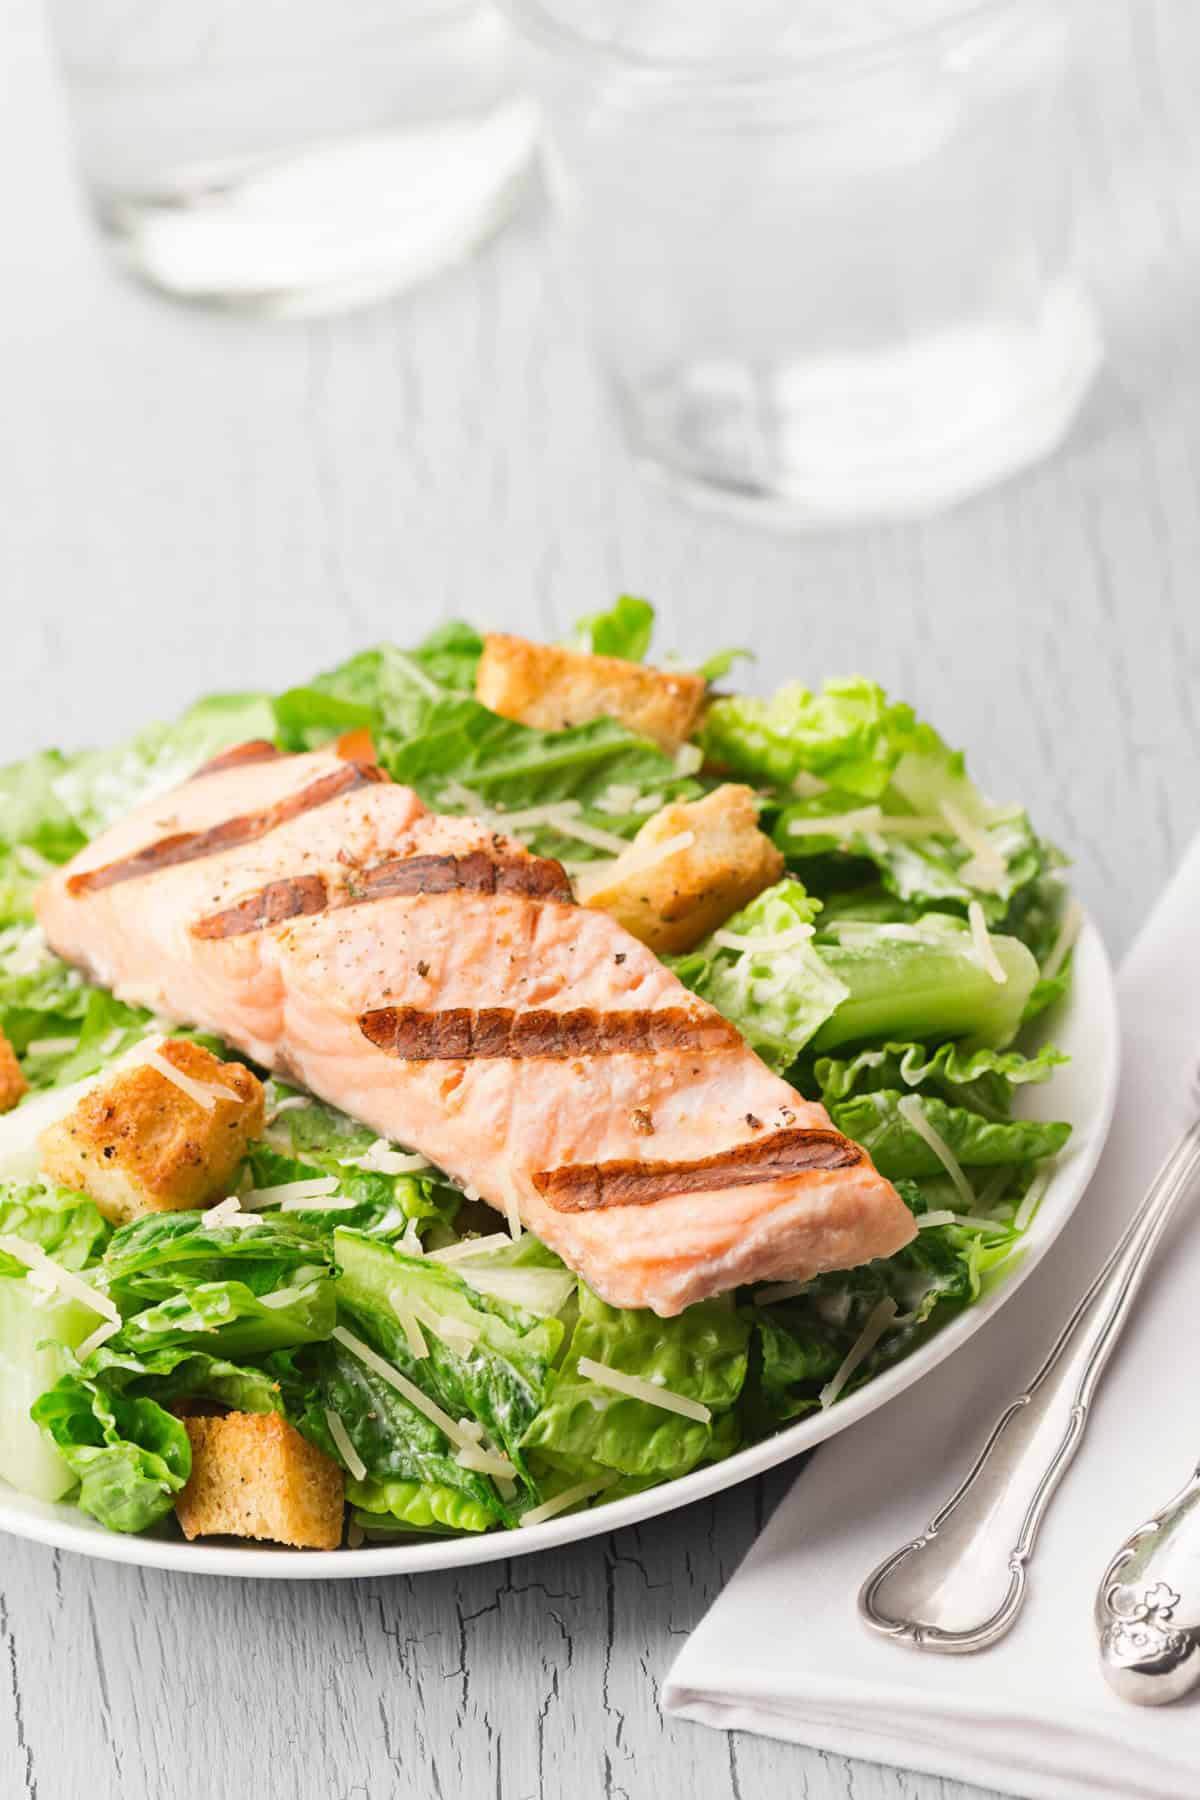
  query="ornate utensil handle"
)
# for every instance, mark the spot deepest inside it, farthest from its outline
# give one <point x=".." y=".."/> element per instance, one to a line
<point x="959" y="1586"/>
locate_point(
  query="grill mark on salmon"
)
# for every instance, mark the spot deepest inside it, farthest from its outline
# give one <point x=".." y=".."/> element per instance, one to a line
<point x="534" y="878"/>
<point x="255" y="750"/>
<point x="588" y="1187"/>
<point x="189" y="846"/>
<point x="297" y="897"/>
<point x="466" y="1034"/>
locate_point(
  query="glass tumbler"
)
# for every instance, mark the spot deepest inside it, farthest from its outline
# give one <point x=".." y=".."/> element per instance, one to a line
<point x="826" y="247"/>
<point x="293" y="155"/>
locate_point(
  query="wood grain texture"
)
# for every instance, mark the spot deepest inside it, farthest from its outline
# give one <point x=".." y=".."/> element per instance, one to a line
<point x="192" y="501"/>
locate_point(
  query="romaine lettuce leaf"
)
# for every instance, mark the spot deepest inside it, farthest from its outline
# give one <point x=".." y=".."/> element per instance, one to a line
<point x="129" y="1455"/>
<point x="395" y="1441"/>
<point x="984" y="1080"/>
<point x="394" y="1508"/>
<point x="154" y="1256"/>
<point x="66" y="1225"/>
<point x="777" y="998"/>
<point x="922" y="982"/>
<point x="848" y="735"/>
<point x="701" y="1354"/>
<point x="624" y="630"/>
<point x="36" y="1332"/>
<point x="232" y="1320"/>
<point x="500" y="1379"/>
<point x="325" y="1141"/>
<point x="875" y="1121"/>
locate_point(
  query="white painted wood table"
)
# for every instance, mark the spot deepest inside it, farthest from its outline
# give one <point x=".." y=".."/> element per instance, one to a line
<point x="189" y="501"/>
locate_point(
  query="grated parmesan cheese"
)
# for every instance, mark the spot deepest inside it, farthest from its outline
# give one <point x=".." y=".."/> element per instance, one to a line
<point x="292" y="1190"/>
<point x="636" y="860"/>
<point x="31" y="861"/>
<point x="289" y="1105"/>
<point x="1033" y="1199"/>
<point x="410" y="1242"/>
<point x="100" y="1336"/>
<point x="689" y="758"/>
<point x="336" y="1203"/>
<point x="783" y="940"/>
<point x="479" y="1246"/>
<point x="443" y="1325"/>
<point x="637" y="1389"/>
<point x="486" y="1462"/>
<point x="204" y="1093"/>
<point x="381" y="1159"/>
<point x="544" y="1291"/>
<point x="345" y="1447"/>
<point x="984" y="948"/>
<point x="778" y="1290"/>
<point x="880" y="1318"/>
<point x="930" y="1220"/>
<point x="229" y="1212"/>
<point x="51" y="1046"/>
<point x="411" y="1392"/>
<point x="911" y="1110"/>
<point x="285" y="1296"/>
<point x="986" y="867"/>
<point x="53" y="1275"/>
<point x="572" y="1496"/>
<point x="1068" y="931"/>
<point x="414" y="1337"/>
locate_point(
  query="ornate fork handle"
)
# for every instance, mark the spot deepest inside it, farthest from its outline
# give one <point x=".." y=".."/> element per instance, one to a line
<point x="959" y="1586"/>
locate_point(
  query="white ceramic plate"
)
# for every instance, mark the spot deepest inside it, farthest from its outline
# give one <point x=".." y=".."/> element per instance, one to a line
<point x="1084" y="1092"/>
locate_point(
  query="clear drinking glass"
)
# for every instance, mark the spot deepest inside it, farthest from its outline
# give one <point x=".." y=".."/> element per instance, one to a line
<point x="826" y="244"/>
<point x="293" y="155"/>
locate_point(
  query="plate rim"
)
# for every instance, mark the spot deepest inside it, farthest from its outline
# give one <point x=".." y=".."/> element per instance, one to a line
<point x="59" y="1526"/>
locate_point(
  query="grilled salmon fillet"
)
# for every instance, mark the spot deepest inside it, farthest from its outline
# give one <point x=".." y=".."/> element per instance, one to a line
<point x="435" y="980"/>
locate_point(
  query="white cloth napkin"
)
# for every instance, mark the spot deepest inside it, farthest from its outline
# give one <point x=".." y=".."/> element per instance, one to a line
<point x="783" y="1652"/>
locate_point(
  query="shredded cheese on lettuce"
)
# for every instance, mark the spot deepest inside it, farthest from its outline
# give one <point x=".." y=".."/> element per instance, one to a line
<point x="637" y="1389"/>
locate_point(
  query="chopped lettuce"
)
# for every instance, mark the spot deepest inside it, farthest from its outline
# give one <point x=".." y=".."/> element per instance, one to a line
<point x="777" y="998"/>
<point x="986" y="1080"/>
<point x="395" y="1508"/>
<point x="700" y="1355"/>
<point x="876" y="1121"/>
<point x="129" y="1455"/>
<point x="923" y="982"/>
<point x="849" y="736"/>
<point x="36" y="1330"/>
<point x="67" y="1226"/>
<point x="624" y="630"/>
<point x="498" y="1377"/>
<point x="393" y="1438"/>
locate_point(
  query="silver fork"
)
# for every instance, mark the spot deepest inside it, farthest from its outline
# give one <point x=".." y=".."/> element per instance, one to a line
<point x="960" y="1585"/>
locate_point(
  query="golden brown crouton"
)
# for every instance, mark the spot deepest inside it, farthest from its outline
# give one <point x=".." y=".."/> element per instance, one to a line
<point x="254" y="1476"/>
<point x="552" y="687"/>
<point x="721" y="862"/>
<point x="12" y="1083"/>
<point x="138" y="1143"/>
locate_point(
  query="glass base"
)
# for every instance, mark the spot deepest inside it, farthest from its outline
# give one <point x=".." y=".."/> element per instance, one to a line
<point x="877" y="437"/>
<point x="330" y="225"/>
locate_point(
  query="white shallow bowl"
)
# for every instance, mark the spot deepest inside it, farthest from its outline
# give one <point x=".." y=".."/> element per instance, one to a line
<point x="1084" y="1092"/>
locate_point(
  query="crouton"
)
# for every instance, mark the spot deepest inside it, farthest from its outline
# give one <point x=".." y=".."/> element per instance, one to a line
<point x="138" y="1143"/>
<point x="13" y="1084"/>
<point x="254" y="1476"/>
<point x="721" y="861"/>
<point x="552" y="687"/>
